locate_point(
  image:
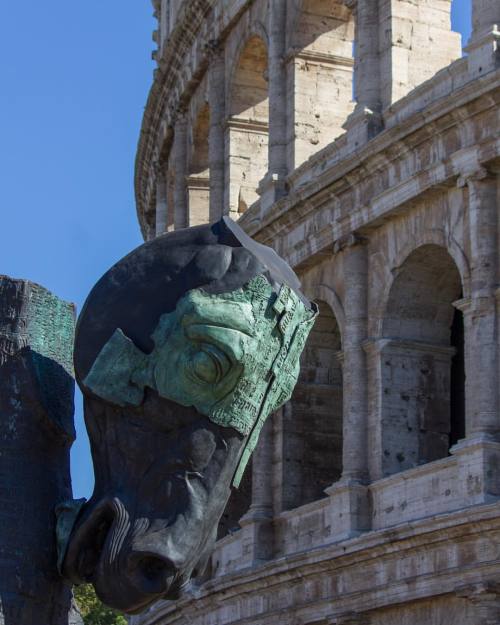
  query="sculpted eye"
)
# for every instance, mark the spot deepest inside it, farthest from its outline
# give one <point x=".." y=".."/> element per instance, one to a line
<point x="210" y="364"/>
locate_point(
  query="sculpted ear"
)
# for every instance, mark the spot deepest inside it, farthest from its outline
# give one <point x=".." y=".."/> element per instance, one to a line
<point x="112" y="375"/>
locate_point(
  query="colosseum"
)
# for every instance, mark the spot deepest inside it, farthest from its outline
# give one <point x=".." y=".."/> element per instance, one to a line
<point x="360" y="140"/>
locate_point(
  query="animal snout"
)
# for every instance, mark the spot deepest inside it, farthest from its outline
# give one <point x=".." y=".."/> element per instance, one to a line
<point x="150" y="573"/>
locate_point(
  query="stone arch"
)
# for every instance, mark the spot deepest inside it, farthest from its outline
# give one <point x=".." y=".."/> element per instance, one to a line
<point x="246" y="34"/>
<point x="320" y="74"/>
<point x="164" y="184"/>
<point x="312" y="420"/>
<point x="248" y="93"/>
<point x="248" y="124"/>
<point x="435" y="237"/>
<point x="198" y="180"/>
<point x="422" y="373"/>
<point x="328" y="295"/>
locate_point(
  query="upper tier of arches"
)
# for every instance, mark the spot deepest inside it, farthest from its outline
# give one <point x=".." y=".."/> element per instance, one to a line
<point x="302" y="74"/>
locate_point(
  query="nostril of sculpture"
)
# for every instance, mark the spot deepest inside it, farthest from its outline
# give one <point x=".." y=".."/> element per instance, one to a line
<point x="182" y="350"/>
<point x="151" y="573"/>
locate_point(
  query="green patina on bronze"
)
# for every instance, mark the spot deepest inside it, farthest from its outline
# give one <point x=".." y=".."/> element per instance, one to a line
<point x="66" y="514"/>
<point x="233" y="356"/>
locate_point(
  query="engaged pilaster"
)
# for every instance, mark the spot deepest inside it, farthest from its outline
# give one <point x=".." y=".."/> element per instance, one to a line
<point x="366" y="120"/>
<point x="479" y="452"/>
<point x="161" y="201"/>
<point x="272" y="186"/>
<point x="179" y="157"/>
<point x="216" y="142"/>
<point x="355" y="258"/>
<point x="480" y="311"/>
<point x="350" y="511"/>
<point x="257" y="522"/>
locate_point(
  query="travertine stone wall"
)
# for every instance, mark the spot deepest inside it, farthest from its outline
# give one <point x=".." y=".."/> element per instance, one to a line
<point x="365" y="151"/>
<point x="247" y="126"/>
<point x="415" y="41"/>
<point x="319" y="77"/>
<point x="198" y="180"/>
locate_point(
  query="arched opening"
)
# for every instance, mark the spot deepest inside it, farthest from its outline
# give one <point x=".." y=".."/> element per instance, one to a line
<point x="312" y="420"/>
<point x="248" y="126"/>
<point x="422" y="356"/>
<point x="165" y="188"/>
<point x="198" y="180"/>
<point x="457" y="380"/>
<point x="320" y="74"/>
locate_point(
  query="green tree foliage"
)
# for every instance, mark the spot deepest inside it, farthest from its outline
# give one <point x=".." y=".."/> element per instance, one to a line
<point x="93" y="611"/>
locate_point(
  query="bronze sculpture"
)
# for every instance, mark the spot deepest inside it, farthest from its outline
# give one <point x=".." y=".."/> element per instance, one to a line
<point x="182" y="350"/>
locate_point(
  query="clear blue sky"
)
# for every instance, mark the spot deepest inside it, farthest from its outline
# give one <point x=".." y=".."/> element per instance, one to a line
<point x="75" y="77"/>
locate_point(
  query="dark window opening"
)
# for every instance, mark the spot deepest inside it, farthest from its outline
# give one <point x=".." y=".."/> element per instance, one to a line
<point x="457" y="381"/>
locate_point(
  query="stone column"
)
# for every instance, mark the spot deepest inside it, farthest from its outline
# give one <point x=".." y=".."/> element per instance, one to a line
<point x="257" y="522"/>
<point x="480" y="315"/>
<point x="216" y="138"/>
<point x="367" y="62"/>
<point x="161" y="201"/>
<point x="366" y="120"/>
<point x="479" y="453"/>
<point x="287" y="471"/>
<point x="277" y="89"/>
<point x="262" y="466"/>
<point x="179" y="159"/>
<point x="273" y="185"/>
<point x="355" y="371"/>
<point x="36" y="432"/>
<point x="350" y="493"/>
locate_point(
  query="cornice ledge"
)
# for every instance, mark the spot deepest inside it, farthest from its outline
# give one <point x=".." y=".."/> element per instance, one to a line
<point x="275" y="220"/>
<point x="425" y="534"/>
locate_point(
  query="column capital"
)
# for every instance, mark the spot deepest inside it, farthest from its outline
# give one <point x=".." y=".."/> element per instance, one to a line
<point x="463" y="305"/>
<point x="351" y="240"/>
<point x="476" y="306"/>
<point x="339" y="357"/>
<point x="479" y="592"/>
<point x="476" y="175"/>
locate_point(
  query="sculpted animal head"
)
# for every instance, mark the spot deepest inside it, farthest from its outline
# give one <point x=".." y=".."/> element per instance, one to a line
<point x="182" y="350"/>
